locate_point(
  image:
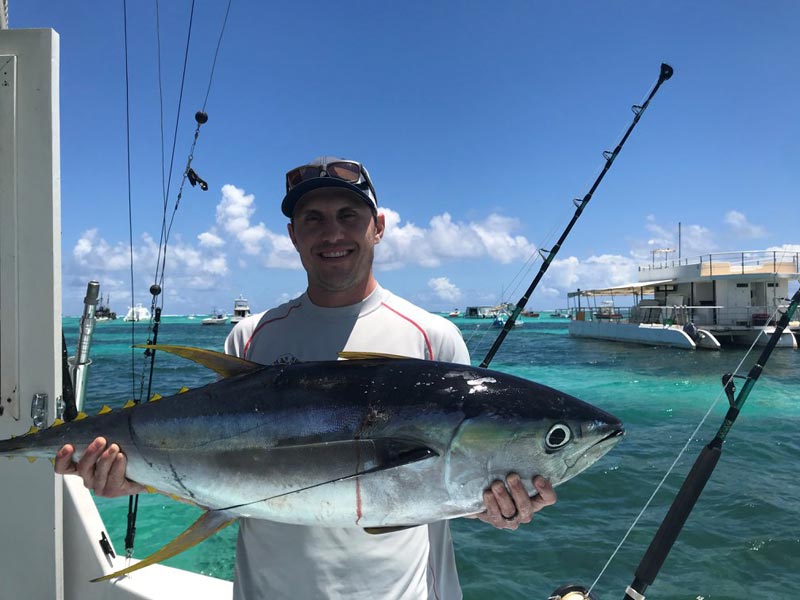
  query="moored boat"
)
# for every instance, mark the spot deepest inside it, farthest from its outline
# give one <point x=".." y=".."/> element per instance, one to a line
<point x="137" y="313"/>
<point x="103" y="313"/>
<point x="700" y="302"/>
<point x="217" y="318"/>
<point x="241" y="309"/>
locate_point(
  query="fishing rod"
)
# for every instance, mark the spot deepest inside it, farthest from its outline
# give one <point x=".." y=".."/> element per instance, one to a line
<point x="580" y="203"/>
<point x="703" y="467"/>
<point x="695" y="481"/>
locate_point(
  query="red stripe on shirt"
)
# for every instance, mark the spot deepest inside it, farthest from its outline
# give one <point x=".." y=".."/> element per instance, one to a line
<point x="264" y="324"/>
<point x="415" y="324"/>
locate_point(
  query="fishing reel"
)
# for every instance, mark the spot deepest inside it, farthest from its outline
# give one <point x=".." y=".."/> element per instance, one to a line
<point x="572" y="592"/>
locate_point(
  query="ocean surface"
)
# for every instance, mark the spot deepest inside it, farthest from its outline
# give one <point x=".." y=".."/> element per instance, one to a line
<point x="741" y="541"/>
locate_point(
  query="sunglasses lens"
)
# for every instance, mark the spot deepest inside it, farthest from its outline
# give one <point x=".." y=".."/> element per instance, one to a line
<point x="346" y="171"/>
<point x="301" y="174"/>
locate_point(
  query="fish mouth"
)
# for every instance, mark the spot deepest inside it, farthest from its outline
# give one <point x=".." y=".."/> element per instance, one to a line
<point x="618" y="432"/>
<point x="593" y="453"/>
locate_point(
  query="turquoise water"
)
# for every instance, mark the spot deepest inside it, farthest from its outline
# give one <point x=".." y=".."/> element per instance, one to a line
<point x="741" y="541"/>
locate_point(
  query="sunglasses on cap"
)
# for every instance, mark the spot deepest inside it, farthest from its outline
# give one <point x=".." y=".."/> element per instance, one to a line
<point x="346" y="170"/>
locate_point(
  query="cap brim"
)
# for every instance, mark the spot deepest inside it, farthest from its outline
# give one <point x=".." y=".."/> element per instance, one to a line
<point x="296" y="193"/>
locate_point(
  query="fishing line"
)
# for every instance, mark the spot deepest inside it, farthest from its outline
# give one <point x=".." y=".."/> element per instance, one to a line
<point x="156" y="288"/>
<point x="658" y="487"/>
<point x="130" y="200"/>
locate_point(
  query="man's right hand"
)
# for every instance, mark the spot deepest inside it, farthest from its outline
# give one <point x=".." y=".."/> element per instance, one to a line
<point x="102" y="468"/>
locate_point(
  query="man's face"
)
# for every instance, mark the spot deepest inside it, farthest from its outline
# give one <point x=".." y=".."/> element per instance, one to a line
<point x="335" y="233"/>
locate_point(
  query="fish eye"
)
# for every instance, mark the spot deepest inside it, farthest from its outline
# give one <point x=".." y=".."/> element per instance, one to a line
<point x="558" y="436"/>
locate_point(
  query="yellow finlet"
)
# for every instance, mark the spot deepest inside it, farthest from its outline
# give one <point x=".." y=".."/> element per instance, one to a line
<point x="31" y="459"/>
<point x="209" y="523"/>
<point x="224" y="365"/>
<point x="81" y="416"/>
<point x="129" y="404"/>
<point x="150" y="489"/>
<point x="156" y="397"/>
<point x="348" y="355"/>
<point x="57" y="422"/>
<point x="183" y="390"/>
<point x="33" y="429"/>
<point x="105" y="410"/>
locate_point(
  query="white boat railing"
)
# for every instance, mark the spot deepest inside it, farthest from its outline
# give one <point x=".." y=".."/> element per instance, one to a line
<point x="734" y="263"/>
<point x="701" y="316"/>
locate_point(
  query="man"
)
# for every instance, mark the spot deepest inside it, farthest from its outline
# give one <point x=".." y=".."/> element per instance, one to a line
<point x="335" y="226"/>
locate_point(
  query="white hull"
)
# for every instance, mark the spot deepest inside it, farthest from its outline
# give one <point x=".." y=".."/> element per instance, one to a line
<point x="651" y="335"/>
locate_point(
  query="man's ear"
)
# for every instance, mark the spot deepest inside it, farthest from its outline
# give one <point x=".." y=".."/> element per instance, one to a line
<point x="290" y="229"/>
<point x="380" y="227"/>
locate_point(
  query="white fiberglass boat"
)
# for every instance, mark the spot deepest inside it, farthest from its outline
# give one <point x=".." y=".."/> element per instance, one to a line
<point x="700" y="302"/>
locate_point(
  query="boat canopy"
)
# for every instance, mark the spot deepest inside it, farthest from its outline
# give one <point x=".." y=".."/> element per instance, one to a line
<point x="628" y="289"/>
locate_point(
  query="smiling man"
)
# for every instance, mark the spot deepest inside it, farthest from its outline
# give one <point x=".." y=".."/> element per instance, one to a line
<point x="335" y="225"/>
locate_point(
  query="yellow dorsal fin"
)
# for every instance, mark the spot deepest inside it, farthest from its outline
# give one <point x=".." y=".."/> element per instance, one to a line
<point x="57" y="422"/>
<point x="224" y="365"/>
<point x="347" y="355"/>
<point x="209" y="523"/>
<point x="105" y="410"/>
<point x="33" y="429"/>
<point x="80" y="416"/>
<point x="156" y="398"/>
<point x="129" y="404"/>
<point x="183" y="390"/>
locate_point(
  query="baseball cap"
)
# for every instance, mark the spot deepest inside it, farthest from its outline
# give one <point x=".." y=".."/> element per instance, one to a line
<point x="330" y="172"/>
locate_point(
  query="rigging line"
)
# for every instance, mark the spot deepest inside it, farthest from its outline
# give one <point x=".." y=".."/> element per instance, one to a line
<point x="133" y="504"/>
<point x="638" y="110"/>
<point x="130" y="200"/>
<point x="165" y="237"/>
<point x="180" y="97"/>
<point x="671" y="468"/>
<point x="161" y="110"/>
<point x="163" y="240"/>
<point x="216" y="53"/>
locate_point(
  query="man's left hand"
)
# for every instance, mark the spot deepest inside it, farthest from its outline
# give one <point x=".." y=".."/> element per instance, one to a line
<point x="507" y="506"/>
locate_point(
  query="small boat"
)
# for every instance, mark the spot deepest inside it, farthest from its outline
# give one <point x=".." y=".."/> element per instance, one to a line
<point x="241" y="309"/>
<point x="103" y="313"/>
<point x="216" y="318"/>
<point x="454" y="313"/>
<point x="137" y="313"/>
<point x="501" y="319"/>
<point x="482" y="312"/>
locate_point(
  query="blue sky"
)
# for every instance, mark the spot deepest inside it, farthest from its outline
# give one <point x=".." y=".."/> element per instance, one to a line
<point x="478" y="121"/>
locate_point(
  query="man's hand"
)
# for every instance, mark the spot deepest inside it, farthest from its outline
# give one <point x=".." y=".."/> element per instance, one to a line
<point x="102" y="468"/>
<point x="507" y="510"/>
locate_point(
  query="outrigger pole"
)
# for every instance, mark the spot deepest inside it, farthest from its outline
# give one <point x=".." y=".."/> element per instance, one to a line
<point x="703" y="467"/>
<point x="549" y="255"/>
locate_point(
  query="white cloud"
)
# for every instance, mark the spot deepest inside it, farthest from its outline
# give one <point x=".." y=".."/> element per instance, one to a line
<point x="444" y="240"/>
<point x="742" y="227"/>
<point x="444" y="289"/>
<point x="210" y="239"/>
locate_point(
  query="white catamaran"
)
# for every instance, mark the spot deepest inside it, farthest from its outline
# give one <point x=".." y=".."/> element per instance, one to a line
<point x="699" y="302"/>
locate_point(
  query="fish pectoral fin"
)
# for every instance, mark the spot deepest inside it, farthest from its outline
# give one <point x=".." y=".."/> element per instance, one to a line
<point x="382" y="530"/>
<point x="209" y="523"/>
<point x="349" y="355"/>
<point x="225" y="365"/>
